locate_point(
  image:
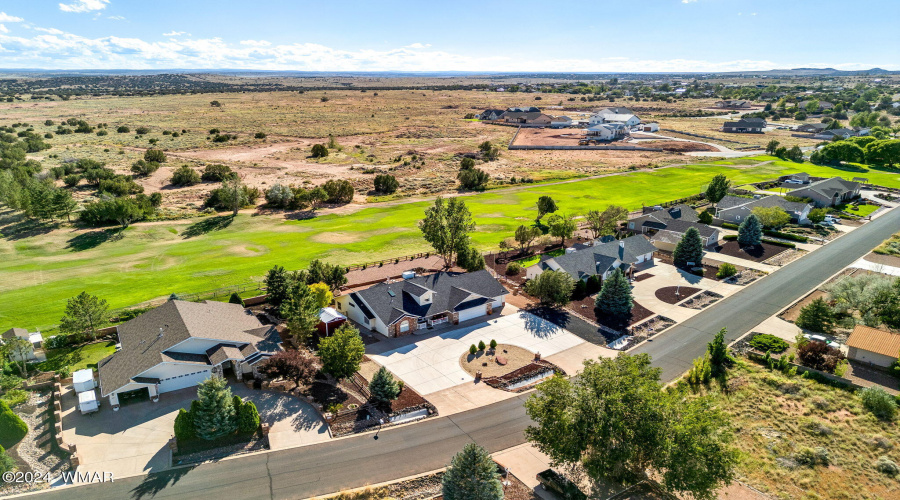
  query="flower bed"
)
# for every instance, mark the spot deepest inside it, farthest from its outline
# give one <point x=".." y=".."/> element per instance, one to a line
<point x="510" y="381"/>
<point x="675" y="294"/>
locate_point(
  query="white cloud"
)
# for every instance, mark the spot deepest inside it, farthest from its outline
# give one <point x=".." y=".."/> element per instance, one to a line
<point x="176" y="33"/>
<point x="51" y="49"/>
<point x="52" y="31"/>
<point x="6" y="18"/>
<point x="419" y="46"/>
<point x="116" y="18"/>
<point x="3" y="29"/>
<point x="688" y="1"/>
<point x="84" y="5"/>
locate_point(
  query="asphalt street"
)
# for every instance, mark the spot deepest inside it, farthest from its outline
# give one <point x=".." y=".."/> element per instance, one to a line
<point x="412" y="449"/>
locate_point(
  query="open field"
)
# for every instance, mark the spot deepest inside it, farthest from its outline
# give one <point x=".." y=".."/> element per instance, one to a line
<point x="778" y="418"/>
<point x="40" y="270"/>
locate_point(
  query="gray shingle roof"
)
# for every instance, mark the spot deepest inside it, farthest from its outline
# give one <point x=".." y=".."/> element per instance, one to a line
<point x="450" y="290"/>
<point x="15" y="332"/>
<point x="829" y="187"/>
<point x="598" y="259"/>
<point x="730" y="202"/>
<point x="143" y="347"/>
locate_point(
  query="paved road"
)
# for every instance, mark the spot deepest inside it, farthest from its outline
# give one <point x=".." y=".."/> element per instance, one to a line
<point x="417" y="448"/>
<point x="674" y="350"/>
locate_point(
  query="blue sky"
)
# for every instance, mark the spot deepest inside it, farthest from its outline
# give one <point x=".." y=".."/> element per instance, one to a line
<point x="461" y="35"/>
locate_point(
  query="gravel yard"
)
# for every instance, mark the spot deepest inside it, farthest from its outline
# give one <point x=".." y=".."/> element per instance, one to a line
<point x="488" y="361"/>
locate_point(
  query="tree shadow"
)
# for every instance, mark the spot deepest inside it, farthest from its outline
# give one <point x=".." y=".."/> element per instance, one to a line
<point x="208" y="225"/>
<point x="301" y="215"/>
<point x="93" y="239"/>
<point x="16" y="226"/>
<point x="156" y="483"/>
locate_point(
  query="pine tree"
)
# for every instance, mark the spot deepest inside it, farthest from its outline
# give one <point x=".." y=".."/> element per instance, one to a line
<point x="472" y="475"/>
<point x="816" y="316"/>
<point x="718" y="353"/>
<point x="383" y="387"/>
<point x="614" y="299"/>
<point x="750" y="231"/>
<point x="214" y="415"/>
<point x="689" y="249"/>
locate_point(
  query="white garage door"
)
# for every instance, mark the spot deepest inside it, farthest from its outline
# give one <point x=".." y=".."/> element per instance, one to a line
<point x="472" y="313"/>
<point x="182" y="381"/>
<point x="498" y="304"/>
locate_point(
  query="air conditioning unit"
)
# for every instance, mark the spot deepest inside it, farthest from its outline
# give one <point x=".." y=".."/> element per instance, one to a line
<point x="408" y="275"/>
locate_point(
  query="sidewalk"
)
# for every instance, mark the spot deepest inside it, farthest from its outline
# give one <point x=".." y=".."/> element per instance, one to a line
<point x="719" y="257"/>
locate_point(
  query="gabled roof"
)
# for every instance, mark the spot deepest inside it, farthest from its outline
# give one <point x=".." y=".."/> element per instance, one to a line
<point x="829" y="187"/>
<point x="680" y="211"/>
<point x="15" y="332"/>
<point x="525" y="115"/>
<point x="330" y="314"/>
<point x="614" y="110"/>
<point x="152" y="337"/>
<point x="588" y="261"/>
<point x="838" y="132"/>
<point x="393" y="301"/>
<point x="744" y="124"/>
<point x="729" y="202"/>
<point x="875" y="340"/>
<point x="681" y="226"/>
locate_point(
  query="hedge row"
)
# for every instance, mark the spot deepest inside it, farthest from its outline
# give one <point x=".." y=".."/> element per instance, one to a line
<point x="786" y="236"/>
<point x="728" y="225"/>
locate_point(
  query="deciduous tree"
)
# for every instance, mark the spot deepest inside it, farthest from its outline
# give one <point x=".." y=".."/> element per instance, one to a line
<point x="545" y="205"/>
<point x="772" y="217"/>
<point x="562" y="227"/>
<point x="342" y="353"/>
<point x="551" y="287"/>
<point x="717" y="188"/>
<point x="446" y="227"/>
<point x="84" y="315"/>
<point x="297" y="365"/>
<point x="525" y="236"/>
<point x="605" y="222"/>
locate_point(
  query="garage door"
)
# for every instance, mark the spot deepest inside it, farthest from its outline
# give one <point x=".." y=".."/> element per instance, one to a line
<point x="472" y="313"/>
<point x="498" y="304"/>
<point x="182" y="381"/>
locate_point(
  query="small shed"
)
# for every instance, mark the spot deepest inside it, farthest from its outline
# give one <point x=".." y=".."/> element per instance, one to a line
<point x="88" y="402"/>
<point x="83" y="380"/>
<point x="329" y="321"/>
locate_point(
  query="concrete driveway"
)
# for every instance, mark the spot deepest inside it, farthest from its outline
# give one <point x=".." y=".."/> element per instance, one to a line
<point x="134" y="439"/>
<point x="430" y="363"/>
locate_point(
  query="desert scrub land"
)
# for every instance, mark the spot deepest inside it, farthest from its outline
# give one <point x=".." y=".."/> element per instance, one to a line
<point x="416" y="135"/>
<point x="41" y="267"/>
<point x="891" y="246"/>
<point x="781" y="420"/>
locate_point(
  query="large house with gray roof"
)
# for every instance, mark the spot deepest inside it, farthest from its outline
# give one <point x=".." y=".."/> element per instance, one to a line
<point x="598" y="258"/>
<point x="397" y="308"/>
<point x="736" y="209"/>
<point x="180" y="344"/>
<point x="666" y="227"/>
<point x="829" y="192"/>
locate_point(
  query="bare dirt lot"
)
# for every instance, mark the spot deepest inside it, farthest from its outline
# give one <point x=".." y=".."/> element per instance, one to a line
<point x="571" y="136"/>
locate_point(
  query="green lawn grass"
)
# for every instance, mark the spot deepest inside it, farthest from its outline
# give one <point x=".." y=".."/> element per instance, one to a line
<point x="38" y="273"/>
<point x="861" y="210"/>
<point x="76" y="358"/>
<point x="534" y="259"/>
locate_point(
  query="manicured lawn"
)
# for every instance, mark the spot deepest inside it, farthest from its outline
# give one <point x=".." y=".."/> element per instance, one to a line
<point x="38" y="273"/>
<point x="534" y="259"/>
<point x="861" y="210"/>
<point x="79" y="358"/>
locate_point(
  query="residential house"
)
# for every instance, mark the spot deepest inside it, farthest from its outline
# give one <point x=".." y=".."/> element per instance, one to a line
<point x="526" y="117"/>
<point x="180" y="344"/>
<point x="561" y="122"/>
<point x="873" y="346"/>
<point x="823" y="105"/>
<point x="614" y="110"/>
<point x="828" y="192"/>
<point x="35" y="341"/>
<point x="733" y="104"/>
<point x="841" y="133"/>
<point x="735" y="209"/>
<point x="525" y="109"/>
<point x="627" y="119"/>
<point x="800" y="178"/>
<point x="811" y="128"/>
<point x="397" y="308"/>
<point x="605" y="132"/>
<point x="666" y="227"/>
<point x="490" y="114"/>
<point x="744" y="127"/>
<point x="598" y="258"/>
<point x="650" y="127"/>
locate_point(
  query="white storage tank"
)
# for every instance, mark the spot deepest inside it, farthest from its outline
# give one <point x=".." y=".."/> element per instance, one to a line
<point x="83" y="380"/>
<point x="87" y="402"/>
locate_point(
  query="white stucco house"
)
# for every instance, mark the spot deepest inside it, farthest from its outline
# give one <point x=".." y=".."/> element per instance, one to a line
<point x="398" y="308"/>
<point x="32" y="351"/>
<point x="179" y="344"/>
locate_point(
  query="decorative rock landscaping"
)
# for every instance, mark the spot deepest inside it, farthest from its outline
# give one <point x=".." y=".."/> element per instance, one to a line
<point x="744" y="277"/>
<point x="785" y="257"/>
<point x="701" y="301"/>
<point x="495" y="362"/>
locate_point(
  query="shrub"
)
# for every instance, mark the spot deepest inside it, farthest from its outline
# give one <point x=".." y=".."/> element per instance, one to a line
<point x="143" y="167"/>
<point x="155" y="155"/>
<point x="123" y="130"/>
<point x="259" y="135"/>
<point x="473" y="349"/>
<point x="887" y="466"/>
<point x="493" y="344"/>
<point x="248" y="417"/>
<point x="474" y="178"/>
<point x="15" y="397"/>
<point x="728" y="225"/>
<point x="819" y="356"/>
<point x="185" y="176"/>
<point x="383" y="387"/>
<point x="726" y="270"/>
<point x="768" y="343"/>
<point x="12" y="428"/>
<point x="386" y="183"/>
<point x="706" y="217"/>
<point x="319" y="151"/>
<point x="339" y="191"/>
<point x="786" y="236"/>
<point x="71" y="180"/>
<point x="701" y="372"/>
<point x="184" y="425"/>
<point x="481" y="345"/>
<point x="879" y="402"/>
<point x="513" y="269"/>
<point x="812" y="457"/>
<point x="57" y="342"/>
<point x="236" y="299"/>
<point x="217" y="173"/>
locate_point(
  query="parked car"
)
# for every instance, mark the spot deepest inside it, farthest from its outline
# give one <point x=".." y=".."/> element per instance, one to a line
<point x="793" y="181"/>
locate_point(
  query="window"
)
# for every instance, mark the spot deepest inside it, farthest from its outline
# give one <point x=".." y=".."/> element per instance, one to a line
<point x="404" y="327"/>
<point x="339" y="306"/>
